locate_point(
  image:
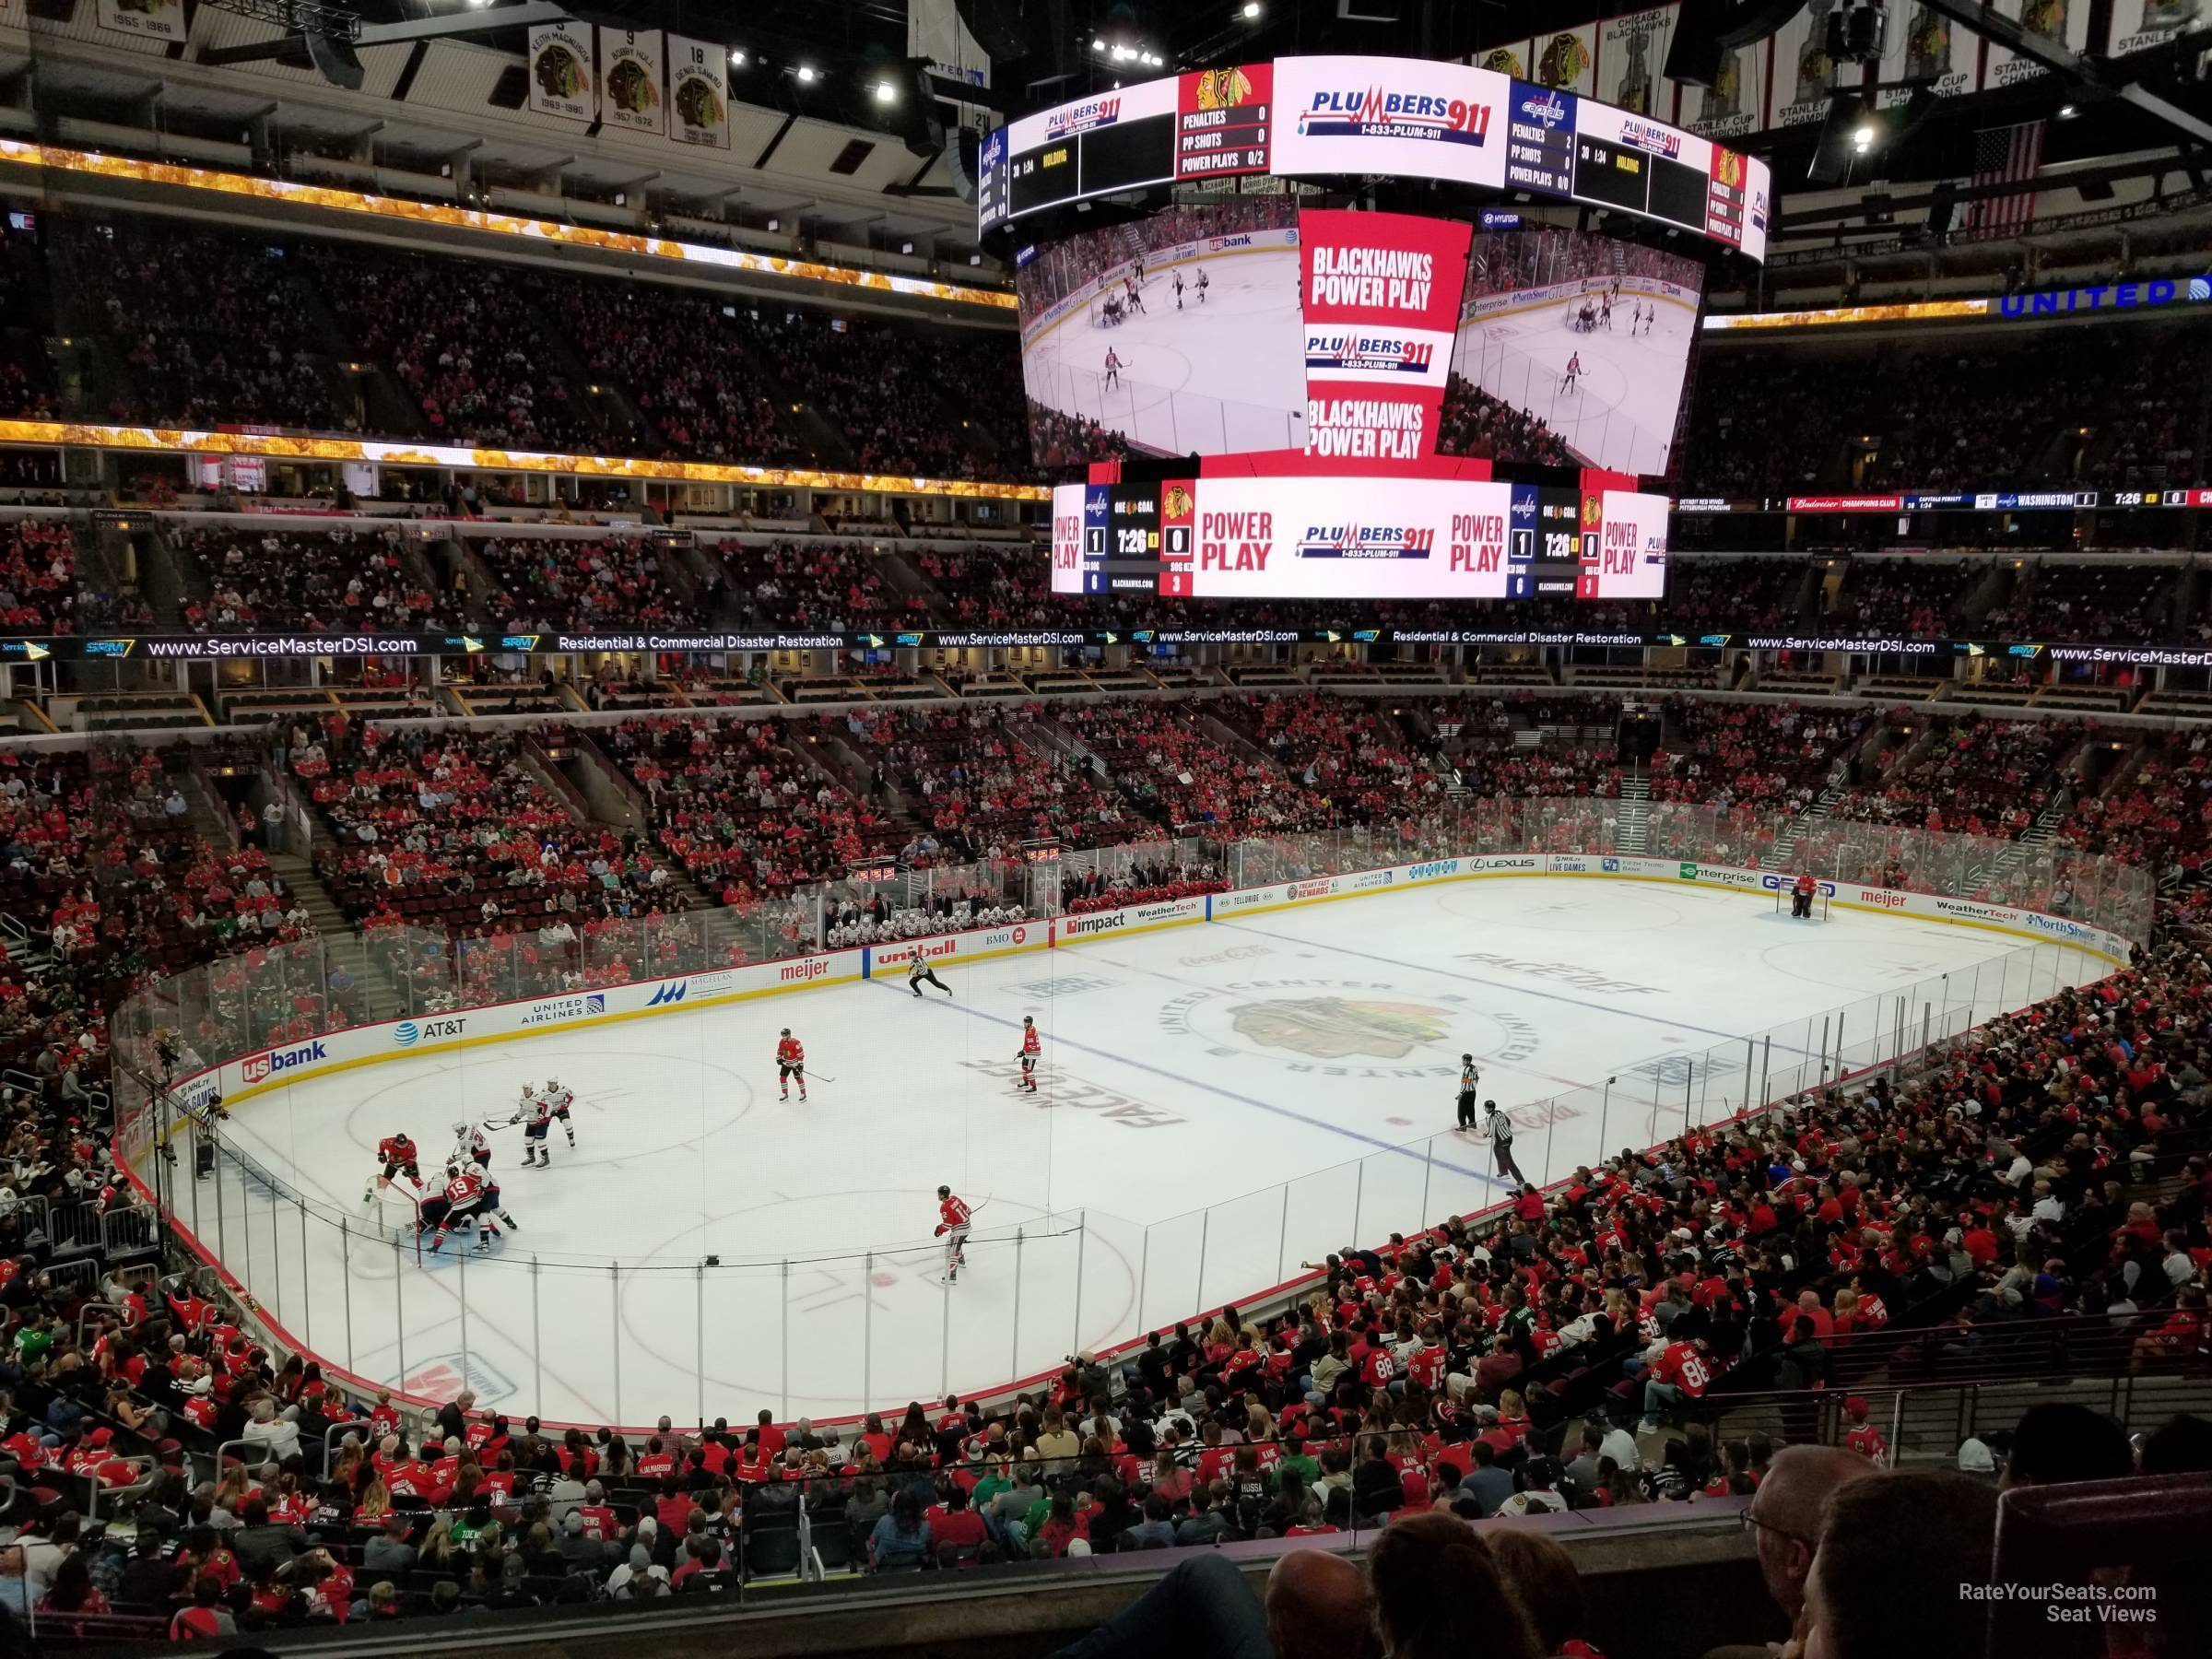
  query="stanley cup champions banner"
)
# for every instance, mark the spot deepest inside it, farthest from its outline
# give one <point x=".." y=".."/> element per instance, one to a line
<point x="1379" y="294"/>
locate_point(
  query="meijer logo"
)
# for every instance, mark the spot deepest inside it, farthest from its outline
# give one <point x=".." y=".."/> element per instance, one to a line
<point x="1882" y="896"/>
<point x="807" y="968"/>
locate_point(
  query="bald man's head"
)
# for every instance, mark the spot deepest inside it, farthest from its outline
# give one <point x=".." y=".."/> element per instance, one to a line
<point x="1787" y="1509"/>
<point x="1317" y="1608"/>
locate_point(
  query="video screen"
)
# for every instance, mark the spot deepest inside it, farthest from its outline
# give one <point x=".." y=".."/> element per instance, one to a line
<point x="1571" y="347"/>
<point x="1177" y="335"/>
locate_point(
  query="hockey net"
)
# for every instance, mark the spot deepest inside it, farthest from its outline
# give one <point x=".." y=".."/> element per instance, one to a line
<point x="1784" y="902"/>
<point x="392" y="1214"/>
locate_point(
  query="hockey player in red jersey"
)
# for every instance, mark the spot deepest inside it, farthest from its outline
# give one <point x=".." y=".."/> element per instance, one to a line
<point x="953" y="1216"/>
<point x="466" y="1197"/>
<point x="791" y="1062"/>
<point x="1030" y="1049"/>
<point x="398" y="1156"/>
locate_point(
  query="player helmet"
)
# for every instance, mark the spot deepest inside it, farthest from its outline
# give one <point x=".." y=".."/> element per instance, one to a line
<point x="1029" y="1019"/>
<point x="786" y="1030"/>
<point x="461" y="1129"/>
<point x="452" y="1169"/>
<point x="1466" y="1059"/>
<point x="944" y="1191"/>
<point x="528" y="1089"/>
<point x="551" y="1084"/>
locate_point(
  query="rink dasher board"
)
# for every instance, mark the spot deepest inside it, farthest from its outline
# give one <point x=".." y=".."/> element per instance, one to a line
<point x="247" y="1075"/>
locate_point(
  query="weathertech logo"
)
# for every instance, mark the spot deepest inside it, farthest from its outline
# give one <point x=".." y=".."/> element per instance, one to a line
<point x="1371" y="113"/>
<point x="1382" y="353"/>
<point x="1366" y="541"/>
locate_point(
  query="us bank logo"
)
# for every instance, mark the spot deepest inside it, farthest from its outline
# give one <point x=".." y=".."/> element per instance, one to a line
<point x="1343" y="1028"/>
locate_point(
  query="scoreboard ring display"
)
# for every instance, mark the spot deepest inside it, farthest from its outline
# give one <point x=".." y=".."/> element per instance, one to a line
<point x="1408" y="118"/>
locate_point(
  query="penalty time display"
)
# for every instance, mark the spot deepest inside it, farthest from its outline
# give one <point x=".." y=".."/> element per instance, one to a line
<point x="1335" y="537"/>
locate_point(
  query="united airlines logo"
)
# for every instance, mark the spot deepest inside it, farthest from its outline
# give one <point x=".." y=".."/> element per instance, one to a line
<point x="1378" y="354"/>
<point x="1366" y="541"/>
<point x="1656" y="140"/>
<point x="1373" y="113"/>
<point x="1082" y="117"/>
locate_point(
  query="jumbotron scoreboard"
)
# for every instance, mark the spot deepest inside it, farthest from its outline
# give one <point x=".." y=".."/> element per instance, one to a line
<point x="1319" y="538"/>
<point x="1405" y="117"/>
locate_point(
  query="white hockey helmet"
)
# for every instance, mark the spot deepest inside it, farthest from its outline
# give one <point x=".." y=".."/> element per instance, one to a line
<point x="552" y="1086"/>
<point x="461" y="1131"/>
<point x="529" y="1089"/>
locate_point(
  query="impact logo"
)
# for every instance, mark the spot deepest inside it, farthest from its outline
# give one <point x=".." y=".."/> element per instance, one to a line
<point x="1550" y="108"/>
<point x="1366" y="541"/>
<point x="1372" y="354"/>
<point x="1653" y="140"/>
<point x="254" y="1068"/>
<point x="1373" y="113"/>
<point x="1082" y="117"/>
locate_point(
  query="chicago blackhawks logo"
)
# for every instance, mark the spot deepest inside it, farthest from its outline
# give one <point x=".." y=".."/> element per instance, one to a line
<point x="1336" y="1028"/>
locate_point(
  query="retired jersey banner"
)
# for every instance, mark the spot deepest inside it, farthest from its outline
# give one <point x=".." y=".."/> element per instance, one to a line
<point x="631" y="87"/>
<point x="148" y="19"/>
<point x="1379" y="297"/>
<point x="698" y="103"/>
<point x="561" y="83"/>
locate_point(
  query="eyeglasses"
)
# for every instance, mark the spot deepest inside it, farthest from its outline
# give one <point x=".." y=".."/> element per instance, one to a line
<point x="1751" y="1522"/>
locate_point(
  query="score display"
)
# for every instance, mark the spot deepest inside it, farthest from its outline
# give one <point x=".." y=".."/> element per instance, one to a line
<point x="1325" y="538"/>
<point x="1392" y="117"/>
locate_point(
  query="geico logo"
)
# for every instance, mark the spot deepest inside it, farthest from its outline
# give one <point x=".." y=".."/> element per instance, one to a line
<point x="1426" y="872"/>
<point x="254" y="1068"/>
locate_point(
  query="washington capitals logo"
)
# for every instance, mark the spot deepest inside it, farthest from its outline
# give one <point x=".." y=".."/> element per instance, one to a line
<point x="1366" y="541"/>
<point x="1373" y="113"/>
<point x="1380" y="354"/>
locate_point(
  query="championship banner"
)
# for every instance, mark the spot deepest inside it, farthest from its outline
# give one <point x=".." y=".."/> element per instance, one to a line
<point x="1379" y="295"/>
<point x="561" y="84"/>
<point x="698" y="103"/>
<point x="631" y="90"/>
<point x="148" y="19"/>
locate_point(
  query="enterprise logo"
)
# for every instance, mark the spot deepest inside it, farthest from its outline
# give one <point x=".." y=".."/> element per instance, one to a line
<point x="1382" y="353"/>
<point x="1373" y="113"/>
<point x="1366" y="541"/>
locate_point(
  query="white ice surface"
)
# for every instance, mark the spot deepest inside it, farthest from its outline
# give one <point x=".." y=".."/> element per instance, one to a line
<point x="1296" y="1058"/>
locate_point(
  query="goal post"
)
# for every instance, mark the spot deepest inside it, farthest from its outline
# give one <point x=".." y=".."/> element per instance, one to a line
<point x="394" y="1216"/>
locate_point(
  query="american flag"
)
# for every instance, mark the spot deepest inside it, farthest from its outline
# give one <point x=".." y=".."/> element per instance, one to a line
<point x="2007" y="155"/>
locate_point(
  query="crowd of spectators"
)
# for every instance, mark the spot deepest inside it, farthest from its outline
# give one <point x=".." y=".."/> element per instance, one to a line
<point x="746" y="815"/>
<point x="211" y="328"/>
<point x="1898" y="595"/>
<point x="813" y="585"/>
<point x="318" y="582"/>
<point x="608" y="585"/>
<point x="1771" y="757"/>
<point x="1735" y="595"/>
<point x="1974" y="774"/>
<point x="1472" y="422"/>
<point x="39" y="589"/>
<point x="982" y="781"/>
<point x="2088" y="602"/>
<point x="1187" y="779"/>
<point x="1350" y="753"/>
<point x="27" y="388"/>
<point x="454" y="829"/>
<point x="465" y="345"/>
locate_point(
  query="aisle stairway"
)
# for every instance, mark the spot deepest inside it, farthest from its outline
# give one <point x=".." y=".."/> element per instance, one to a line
<point x="1632" y="824"/>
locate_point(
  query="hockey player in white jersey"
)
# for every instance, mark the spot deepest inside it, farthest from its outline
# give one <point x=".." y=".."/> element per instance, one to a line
<point x="561" y="1099"/>
<point x="472" y="1147"/>
<point x="535" y="1115"/>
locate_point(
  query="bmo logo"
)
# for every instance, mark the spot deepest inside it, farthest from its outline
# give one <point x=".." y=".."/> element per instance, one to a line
<point x="255" y="1069"/>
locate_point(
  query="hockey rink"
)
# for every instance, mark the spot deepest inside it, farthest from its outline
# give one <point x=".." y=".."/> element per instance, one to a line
<point x="1218" y="1103"/>
<point x="1620" y="411"/>
<point x="1222" y="374"/>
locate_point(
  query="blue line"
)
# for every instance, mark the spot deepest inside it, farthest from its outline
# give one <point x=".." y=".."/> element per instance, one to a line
<point x="1227" y="1094"/>
<point x="1476" y="979"/>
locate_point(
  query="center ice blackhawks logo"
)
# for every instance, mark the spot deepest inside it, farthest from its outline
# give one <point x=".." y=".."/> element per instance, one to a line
<point x="1336" y="1027"/>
